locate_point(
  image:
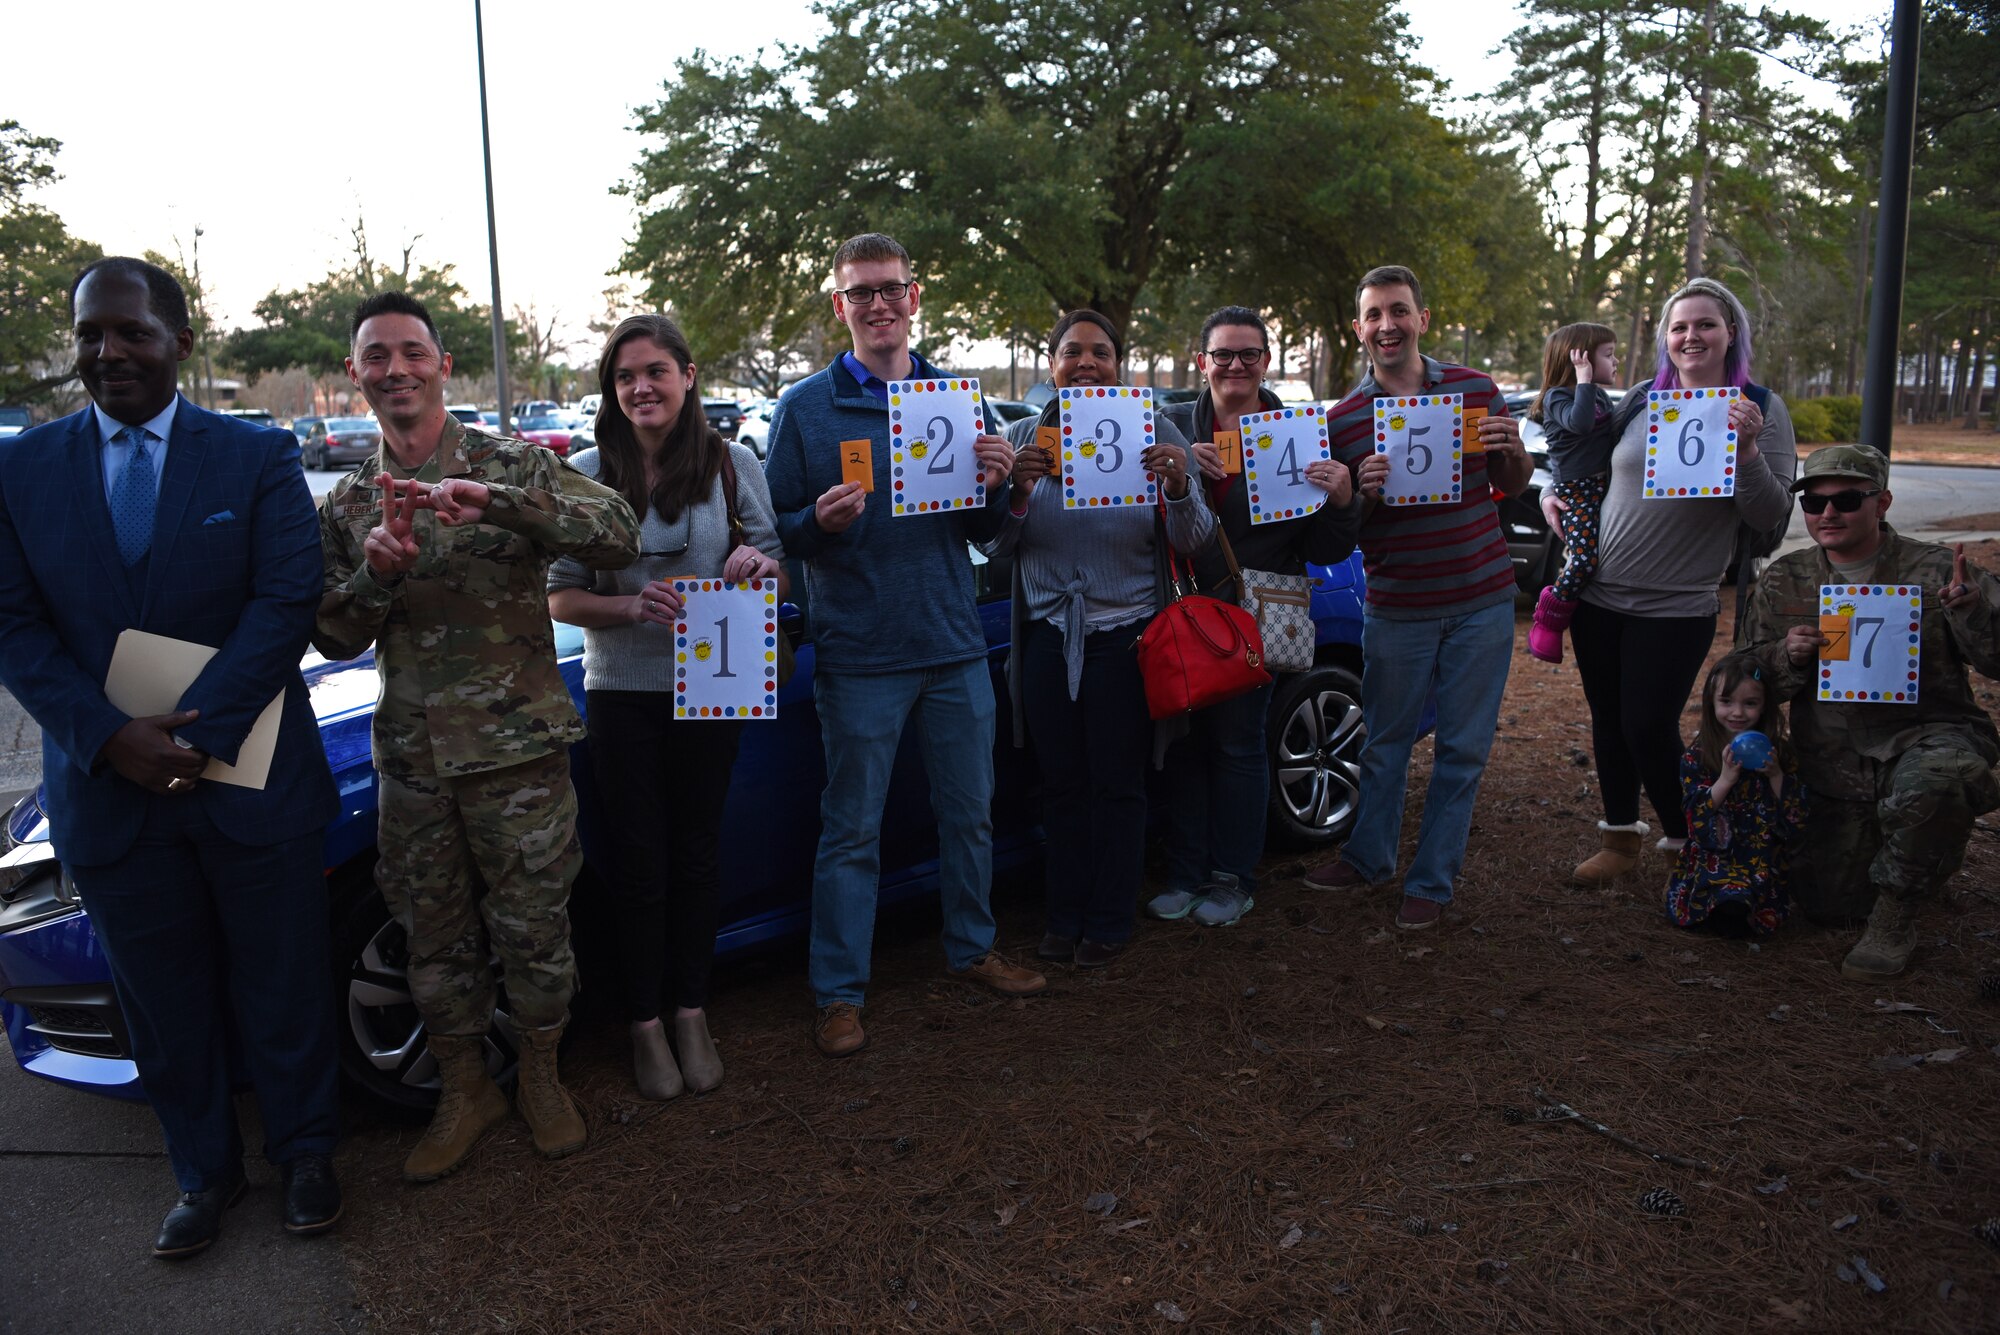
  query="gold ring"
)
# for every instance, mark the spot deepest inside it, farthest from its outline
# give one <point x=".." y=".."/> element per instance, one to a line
<point x="179" y="785"/>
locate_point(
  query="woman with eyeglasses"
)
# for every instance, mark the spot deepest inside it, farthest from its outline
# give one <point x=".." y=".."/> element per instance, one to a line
<point x="661" y="781"/>
<point x="1218" y="780"/>
<point x="1646" y="623"/>
<point x="1086" y="582"/>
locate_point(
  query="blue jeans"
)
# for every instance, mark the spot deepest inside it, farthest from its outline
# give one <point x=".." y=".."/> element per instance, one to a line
<point x="861" y="721"/>
<point x="1465" y="659"/>
<point x="1218" y="786"/>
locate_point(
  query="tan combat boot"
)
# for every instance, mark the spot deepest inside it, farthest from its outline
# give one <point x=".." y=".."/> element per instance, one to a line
<point x="1884" y="950"/>
<point x="469" y="1105"/>
<point x="550" y="1112"/>
<point x="1619" y="855"/>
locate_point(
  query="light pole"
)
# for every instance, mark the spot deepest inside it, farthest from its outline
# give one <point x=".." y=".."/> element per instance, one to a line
<point x="492" y="230"/>
<point x="1885" y="309"/>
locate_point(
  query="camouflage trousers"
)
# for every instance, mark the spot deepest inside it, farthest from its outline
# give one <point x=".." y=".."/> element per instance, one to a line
<point x="1906" y="843"/>
<point x="480" y="866"/>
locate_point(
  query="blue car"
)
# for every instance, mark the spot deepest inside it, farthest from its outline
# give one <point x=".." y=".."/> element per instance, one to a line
<point x="55" y="990"/>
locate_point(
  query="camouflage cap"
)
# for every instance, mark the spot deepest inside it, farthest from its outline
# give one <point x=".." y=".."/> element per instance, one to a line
<point x="1862" y="461"/>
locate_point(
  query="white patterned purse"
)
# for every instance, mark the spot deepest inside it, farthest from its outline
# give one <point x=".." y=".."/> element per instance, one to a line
<point x="1282" y="608"/>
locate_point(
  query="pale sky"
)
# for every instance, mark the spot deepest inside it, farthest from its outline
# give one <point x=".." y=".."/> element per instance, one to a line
<point x="270" y="125"/>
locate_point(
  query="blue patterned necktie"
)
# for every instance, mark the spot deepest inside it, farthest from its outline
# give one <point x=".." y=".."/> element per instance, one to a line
<point x="134" y="496"/>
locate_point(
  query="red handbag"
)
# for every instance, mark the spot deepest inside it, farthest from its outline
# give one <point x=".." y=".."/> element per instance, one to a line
<point x="1198" y="650"/>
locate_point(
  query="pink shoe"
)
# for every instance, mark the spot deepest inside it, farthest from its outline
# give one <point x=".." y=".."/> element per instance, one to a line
<point x="1552" y="617"/>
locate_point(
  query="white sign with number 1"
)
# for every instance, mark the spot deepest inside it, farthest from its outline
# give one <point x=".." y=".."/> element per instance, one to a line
<point x="726" y="649"/>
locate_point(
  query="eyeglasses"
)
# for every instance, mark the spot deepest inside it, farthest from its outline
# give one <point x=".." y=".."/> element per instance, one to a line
<point x="1847" y="502"/>
<point x="1226" y="356"/>
<point x="865" y="296"/>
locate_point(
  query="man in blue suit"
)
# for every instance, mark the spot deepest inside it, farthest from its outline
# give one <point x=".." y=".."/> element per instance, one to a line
<point x="144" y="511"/>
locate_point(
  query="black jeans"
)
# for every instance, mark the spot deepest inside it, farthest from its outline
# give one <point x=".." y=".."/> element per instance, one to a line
<point x="661" y="785"/>
<point x="1092" y="754"/>
<point x="1637" y="672"/>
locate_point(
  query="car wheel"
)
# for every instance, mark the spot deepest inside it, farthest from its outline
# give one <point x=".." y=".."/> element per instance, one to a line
<point x="383" y="1047"/>
<point x="1315" y="733"/>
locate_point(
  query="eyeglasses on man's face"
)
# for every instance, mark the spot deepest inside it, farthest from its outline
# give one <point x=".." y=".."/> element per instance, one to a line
<point x="1229" y="356"/>
<point x="1847" y="502"/>
<point x="865" y="296"/>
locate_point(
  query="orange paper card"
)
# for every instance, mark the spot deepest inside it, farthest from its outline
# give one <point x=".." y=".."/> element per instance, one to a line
<point x="1837" y="630"/>
<point x="1469" y="424"/>
<point x="1229" y="446"/>
<point x="1049" y="438"/>
<point x="857" y="463"/>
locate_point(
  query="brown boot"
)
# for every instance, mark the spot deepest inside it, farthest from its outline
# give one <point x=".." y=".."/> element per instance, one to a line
<point x="550" y="1112"/>
<point x="1619" y="855"/>
<point x="469" y="1105"/>
<point x="1884" y="950"/>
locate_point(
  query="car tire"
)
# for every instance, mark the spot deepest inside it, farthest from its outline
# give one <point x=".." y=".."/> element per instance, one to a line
<point x="1313" y="746"/>
<point x="383" y="1043"/>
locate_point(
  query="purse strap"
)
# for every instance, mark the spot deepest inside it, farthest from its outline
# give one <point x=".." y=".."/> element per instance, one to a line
<point x="738" y="536"/>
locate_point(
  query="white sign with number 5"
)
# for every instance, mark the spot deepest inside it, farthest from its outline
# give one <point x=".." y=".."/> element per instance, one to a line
<point x="932" y="424"/>
<point x="1874" y="638"/>
<point x="1690" y="446"/>
<point x="1277" y="446"/>
<point x="1105" y="430"/>
<point x="1423" y="436"/>
<point x="726" y="649"/>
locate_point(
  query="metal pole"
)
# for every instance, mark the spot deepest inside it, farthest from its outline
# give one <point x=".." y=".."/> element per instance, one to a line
<point x="492" y="230"/>
<point x="1885" y="310"/>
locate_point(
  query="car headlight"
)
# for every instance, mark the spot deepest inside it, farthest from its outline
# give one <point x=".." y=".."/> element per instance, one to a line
<point x="34" y="887"/>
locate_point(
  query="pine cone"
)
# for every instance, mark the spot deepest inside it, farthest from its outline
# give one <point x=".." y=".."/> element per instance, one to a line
<point x="1989" y="987"/>
<point x="1989" y="1232"/>
<point x="1513" y="1116"/>
<point x="1662" y="1202"/>
<point x="1417" y="1225"/>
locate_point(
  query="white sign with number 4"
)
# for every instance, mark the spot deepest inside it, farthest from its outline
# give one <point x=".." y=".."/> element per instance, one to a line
<point x="1277" y="446"/>
<point x="1690" y="446"/>
<point x="1423" y="436"/>
<point x="932" y="424"/>
<point x="726" y="649"/>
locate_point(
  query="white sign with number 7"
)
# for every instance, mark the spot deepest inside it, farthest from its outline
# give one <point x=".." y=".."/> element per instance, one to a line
<point x="1874" y="636"/>
<point x="1423" y="435"/>
<point x="1690" y="446"/>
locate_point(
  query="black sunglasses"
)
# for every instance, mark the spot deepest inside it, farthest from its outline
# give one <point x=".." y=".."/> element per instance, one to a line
<point x="1847" y="502"/>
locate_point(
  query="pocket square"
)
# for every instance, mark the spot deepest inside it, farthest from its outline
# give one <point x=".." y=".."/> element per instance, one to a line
<point x="219" y="517"/>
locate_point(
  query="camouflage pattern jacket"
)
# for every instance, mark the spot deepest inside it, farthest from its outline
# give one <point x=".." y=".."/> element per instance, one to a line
<point x="1832" y="738"/>
<point x="463" y="641"/>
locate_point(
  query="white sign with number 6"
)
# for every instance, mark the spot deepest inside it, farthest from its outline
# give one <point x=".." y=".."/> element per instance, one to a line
<point x="1874" y="640"/>
<point x="1277" y="446"/>
<point x="1105" y="431"/>
<point x="726" y="649"/>
<point x="1690" y="446"/>
<point x="932" y="424"/>
<point x="1423" y="436"/>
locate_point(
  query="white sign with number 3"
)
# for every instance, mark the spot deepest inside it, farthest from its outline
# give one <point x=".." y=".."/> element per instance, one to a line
<point x="1422" y="435"/>
<point x="1875" y="654"/>
<point x="1277" y="446"/>
<point x="726" y="649"/>
<point x="1105" y="430"/>
<point x="932" y="424"/>
<point x="1690" y="446"/>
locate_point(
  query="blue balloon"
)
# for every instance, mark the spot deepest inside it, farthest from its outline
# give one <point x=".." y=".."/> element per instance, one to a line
<point x="1751" y="749"/>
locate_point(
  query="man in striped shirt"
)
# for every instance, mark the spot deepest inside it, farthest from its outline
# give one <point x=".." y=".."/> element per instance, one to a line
<point x="1440" y="612"/>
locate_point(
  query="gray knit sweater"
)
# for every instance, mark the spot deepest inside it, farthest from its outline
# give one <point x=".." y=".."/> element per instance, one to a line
<point x="636" y="657"/>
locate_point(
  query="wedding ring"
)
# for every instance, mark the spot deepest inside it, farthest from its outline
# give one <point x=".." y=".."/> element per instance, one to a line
<point x="179" y="785"/>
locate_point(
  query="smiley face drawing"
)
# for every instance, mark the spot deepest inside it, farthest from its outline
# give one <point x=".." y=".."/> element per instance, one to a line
<point x="1264" y="441"/>
<point x="1088" y="448"/>
<point x="1397" y="422"/>
<point x="918" y="449"/>
<point x="1845" y="610"/>
<point x="1671" y="415"/>
<point x="702" y="649"/>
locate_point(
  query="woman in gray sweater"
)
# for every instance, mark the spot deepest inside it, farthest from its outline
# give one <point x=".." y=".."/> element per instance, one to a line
<point x="1086" y="582"/>
<point x="1647" y="620"/>
<point x="662" y="781"/>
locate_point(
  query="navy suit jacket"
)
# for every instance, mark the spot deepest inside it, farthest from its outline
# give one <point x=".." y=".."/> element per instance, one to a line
<point x="235" y="563"/>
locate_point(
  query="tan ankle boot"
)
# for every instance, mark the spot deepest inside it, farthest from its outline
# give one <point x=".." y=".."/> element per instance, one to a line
<point x="653" y="1068"/>
<point x="1618" y="856"/>
<point x="701" y="1064"/>
<point x="469" y="1105"/>
<point x="550" y="1112"/>
<point x="1884" y="950"/>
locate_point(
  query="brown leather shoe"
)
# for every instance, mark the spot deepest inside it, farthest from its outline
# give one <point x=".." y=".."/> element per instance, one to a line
<point x="1096" y="954"/>
<point x="992" y="972"/>
<point x="1338" y="874"/>
<point x="838" y="1030"/>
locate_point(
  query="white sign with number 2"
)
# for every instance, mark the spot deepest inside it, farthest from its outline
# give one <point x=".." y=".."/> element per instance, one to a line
<point x="726" y="649"/>
<point x="1422" y="435"/>
<point x="1690" y="446"/>
<point x="932" y="424"/>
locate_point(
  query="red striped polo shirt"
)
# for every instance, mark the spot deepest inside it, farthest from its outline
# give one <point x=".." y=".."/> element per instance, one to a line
<point x="1426" y="561"/>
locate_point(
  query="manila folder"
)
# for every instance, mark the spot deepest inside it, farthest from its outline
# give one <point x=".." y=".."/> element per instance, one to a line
<point x="149" y="674"/>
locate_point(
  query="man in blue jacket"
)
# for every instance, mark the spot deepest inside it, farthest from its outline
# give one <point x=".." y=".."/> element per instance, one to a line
<point x="144" y="512"/>
<point x="896" y="635"/>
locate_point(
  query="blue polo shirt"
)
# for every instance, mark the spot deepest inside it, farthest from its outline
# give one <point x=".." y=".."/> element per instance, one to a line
<point x="866" y="378"/>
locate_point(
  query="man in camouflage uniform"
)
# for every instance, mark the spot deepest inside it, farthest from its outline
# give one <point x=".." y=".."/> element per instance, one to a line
<point x="438" y="552"/>
<point x="1892" y="789"/>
